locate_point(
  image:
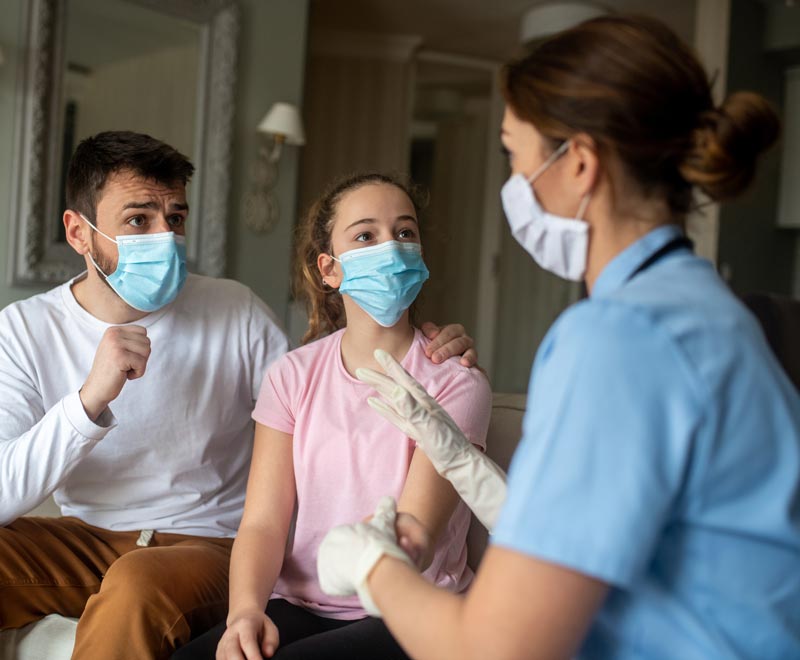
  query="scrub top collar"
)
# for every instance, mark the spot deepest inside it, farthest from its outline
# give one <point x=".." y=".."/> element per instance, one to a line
<point x="622" y="267"/>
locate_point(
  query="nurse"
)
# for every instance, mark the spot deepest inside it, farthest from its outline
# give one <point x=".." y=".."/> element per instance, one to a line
<point x="653" y="504"/>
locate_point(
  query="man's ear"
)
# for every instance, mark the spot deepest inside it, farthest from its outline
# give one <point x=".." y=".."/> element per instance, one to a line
<point x="328" y="269"/>
<point x="77" y="232"/>
<point x="585" y="163"/>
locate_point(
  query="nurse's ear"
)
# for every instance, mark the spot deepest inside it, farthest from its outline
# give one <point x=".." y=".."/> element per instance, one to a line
<point x="330" y="270"/>
<point x="583" y="163"/>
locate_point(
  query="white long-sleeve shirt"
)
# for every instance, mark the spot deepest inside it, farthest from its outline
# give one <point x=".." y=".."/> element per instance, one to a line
<point x="173" y="450"/>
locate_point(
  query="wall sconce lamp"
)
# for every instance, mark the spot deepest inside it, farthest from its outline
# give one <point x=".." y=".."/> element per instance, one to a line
<point x="281" y="125"/>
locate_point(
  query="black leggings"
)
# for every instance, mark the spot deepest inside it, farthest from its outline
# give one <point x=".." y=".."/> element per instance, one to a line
<point x="306" y="636"/>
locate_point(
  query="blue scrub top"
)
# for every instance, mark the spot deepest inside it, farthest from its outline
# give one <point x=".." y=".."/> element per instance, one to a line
<point x="661" y="454"/>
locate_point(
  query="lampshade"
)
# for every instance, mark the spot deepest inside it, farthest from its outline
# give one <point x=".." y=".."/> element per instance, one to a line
<point x="551" y="17"/>
<point x="284" y="119"/>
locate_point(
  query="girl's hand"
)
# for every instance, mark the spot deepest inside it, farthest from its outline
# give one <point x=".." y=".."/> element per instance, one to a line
<point x="249" y="636"/>
<point x="414" y="539"/>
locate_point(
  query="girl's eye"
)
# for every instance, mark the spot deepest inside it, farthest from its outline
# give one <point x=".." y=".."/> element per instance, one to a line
<point x="137" y="221"/>
<point x="504" y="150"/>
<point x="364" y="237"/>
<point x="406" y="234"/>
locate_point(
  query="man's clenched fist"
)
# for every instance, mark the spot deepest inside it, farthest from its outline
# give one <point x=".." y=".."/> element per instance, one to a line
<point x="121" y="356"/>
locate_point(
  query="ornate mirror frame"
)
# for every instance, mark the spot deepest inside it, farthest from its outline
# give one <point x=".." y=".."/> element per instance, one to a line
<point x="36" y="255"/>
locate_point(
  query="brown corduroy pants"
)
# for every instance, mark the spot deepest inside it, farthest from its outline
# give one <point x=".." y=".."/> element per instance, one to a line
<point x="133" y="602"/>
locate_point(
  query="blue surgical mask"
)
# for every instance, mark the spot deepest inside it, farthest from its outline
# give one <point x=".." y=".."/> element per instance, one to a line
<point x="151" y="268"/>
<point x="383" y="279"/>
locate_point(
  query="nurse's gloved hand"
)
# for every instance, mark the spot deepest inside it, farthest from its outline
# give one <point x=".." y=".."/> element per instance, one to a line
<point x="348" y="554"/>
<point x="476" y="478"/>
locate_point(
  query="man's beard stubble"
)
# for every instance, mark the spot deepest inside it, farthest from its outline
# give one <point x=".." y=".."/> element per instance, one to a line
<point x="105" y="264"/>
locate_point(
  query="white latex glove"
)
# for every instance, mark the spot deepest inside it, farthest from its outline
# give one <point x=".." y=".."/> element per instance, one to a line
<point x="477" y="479"/>
<point x="348" y="554"/>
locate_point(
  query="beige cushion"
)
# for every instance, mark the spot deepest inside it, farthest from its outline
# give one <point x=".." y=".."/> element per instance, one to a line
<point x="52" y="638"/>
<point x="505" y="430"/>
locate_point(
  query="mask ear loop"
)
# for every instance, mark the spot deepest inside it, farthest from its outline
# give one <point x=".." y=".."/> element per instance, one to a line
<point x="550" y="160"/>
<point x="86" y="220"/>
<point x="583" y="205"/>
<point x="91" y="258"/>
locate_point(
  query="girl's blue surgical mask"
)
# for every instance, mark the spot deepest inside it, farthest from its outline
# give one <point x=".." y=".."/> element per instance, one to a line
<point x="383" y="279"/>
<point x="151" y="268"/>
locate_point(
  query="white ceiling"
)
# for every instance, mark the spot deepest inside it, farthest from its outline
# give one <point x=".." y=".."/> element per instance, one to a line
<point x="478" y="28"/>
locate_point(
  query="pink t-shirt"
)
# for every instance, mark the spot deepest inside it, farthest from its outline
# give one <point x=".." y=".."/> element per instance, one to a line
<point x="346" y="457"/>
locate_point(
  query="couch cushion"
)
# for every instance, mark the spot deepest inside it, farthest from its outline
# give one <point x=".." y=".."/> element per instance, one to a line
<point x="52" y="638"/>
<point x="505" y="430"/>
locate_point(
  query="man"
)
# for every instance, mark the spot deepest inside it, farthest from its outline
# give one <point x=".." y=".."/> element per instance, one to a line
<point x="127" y="394"/>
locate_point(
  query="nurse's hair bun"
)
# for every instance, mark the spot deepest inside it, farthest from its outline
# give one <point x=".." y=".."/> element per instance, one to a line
<point x="726" y="144"/>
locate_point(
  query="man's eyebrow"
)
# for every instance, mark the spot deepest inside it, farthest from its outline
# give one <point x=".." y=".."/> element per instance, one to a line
<point x="154" y="206"/>
<point x="140" y="205"/>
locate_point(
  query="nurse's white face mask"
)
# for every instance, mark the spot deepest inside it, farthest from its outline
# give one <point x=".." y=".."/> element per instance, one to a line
<point x="559" y="245"/>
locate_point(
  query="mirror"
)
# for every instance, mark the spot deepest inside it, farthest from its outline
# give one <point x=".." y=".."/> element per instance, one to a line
<point x="161" y="67"/>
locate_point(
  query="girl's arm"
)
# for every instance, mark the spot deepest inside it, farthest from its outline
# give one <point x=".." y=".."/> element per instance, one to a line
<point x="430" y="499"/>
<point x="258" y="550"/>
<point x="518" y="607"/>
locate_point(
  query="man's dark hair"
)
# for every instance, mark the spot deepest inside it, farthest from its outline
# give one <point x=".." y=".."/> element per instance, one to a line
<point x="98" y="157"/>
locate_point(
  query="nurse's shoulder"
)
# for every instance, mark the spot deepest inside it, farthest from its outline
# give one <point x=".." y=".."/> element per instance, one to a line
<point x="604" y="336"/>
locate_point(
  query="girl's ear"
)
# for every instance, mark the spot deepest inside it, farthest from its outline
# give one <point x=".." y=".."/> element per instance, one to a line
<point x="329" y="270"/>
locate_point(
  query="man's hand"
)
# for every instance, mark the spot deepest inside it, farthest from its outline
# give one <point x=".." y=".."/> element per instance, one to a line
<point x="449" y="341"/>
<point x="121" y="356"/>
<point x="249" y="636"/>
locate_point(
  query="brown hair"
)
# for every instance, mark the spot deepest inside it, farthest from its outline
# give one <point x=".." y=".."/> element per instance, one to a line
<point x="633" y="86"/>
<point x="324" y="304"/>
<point x="98" y="157"/>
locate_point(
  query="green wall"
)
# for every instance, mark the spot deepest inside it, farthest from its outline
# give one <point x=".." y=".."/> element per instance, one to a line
<point x="272" y="50"/>
<point x="272" y="46"/>
<point x="11" y="28"/>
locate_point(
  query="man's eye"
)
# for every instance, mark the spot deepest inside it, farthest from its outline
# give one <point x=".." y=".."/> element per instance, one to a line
<point x="505" y="152"/>
<point x="137" y="221"/>
<point x="176" y="220"/>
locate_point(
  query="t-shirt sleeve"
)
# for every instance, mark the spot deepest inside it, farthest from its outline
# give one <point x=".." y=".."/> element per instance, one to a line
<point x="612" y="410"/>
<point x="274" y="407"/>
<point x="467" y="398"/>
<point x="267" y="340"/>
